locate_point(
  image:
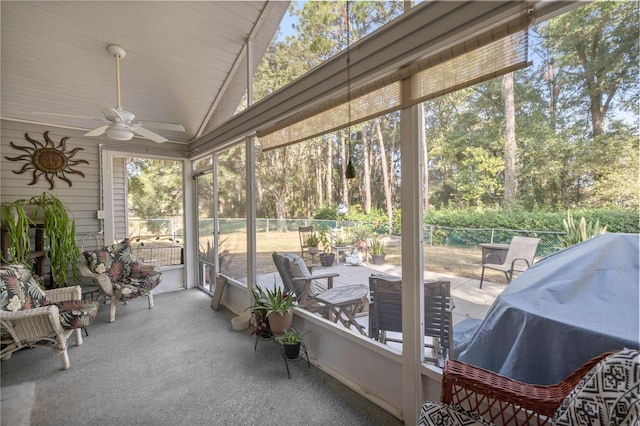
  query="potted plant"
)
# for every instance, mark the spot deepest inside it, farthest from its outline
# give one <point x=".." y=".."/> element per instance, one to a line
<point x="327" y="258"/>
<point x="359" y="234"/>
<point x="275" y="305"/>
<point x="378" y="251"/>
<point x="16" y="221"/>
<point x="312" y="242"/>
<point x="259" y="312"/>
<point x="59" y="232"/>
<point x="291" y="341"/>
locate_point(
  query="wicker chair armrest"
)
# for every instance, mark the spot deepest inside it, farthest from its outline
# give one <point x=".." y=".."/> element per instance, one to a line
<point x="102" y="280"/>
<point x="541" y="399"/>
<point x="63" y="294"/>
<point x="33" y="323"/>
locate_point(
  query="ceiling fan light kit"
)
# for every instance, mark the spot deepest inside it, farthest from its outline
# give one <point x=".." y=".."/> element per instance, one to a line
<point x="119" y="133"/>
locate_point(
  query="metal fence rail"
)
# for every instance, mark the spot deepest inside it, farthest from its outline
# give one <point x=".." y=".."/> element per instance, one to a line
<point x="167" y="249"/>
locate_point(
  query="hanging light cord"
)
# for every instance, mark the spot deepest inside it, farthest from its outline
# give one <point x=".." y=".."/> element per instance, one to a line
<point x="350" y="171"/>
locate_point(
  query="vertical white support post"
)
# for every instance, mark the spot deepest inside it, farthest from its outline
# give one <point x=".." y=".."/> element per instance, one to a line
<point x="250" y="158"/>
<point x="190" y="231"/>
<point x="412" y="134"/>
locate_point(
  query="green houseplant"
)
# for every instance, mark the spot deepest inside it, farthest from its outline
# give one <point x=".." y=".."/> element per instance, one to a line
<point x="327" y="257"/>
<point x="275" y="306"/>
<point x="59" y="232"/>
<point x="291" y="340"/>
<point x="313" y="241"/>
<point x="378" y="250"/>
<point x="16" y="221"/>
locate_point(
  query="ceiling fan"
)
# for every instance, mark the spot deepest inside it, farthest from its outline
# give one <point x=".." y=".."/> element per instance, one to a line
<point x="121" y="125"/>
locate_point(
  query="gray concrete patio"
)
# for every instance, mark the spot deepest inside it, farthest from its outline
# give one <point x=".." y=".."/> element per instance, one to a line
<point x="471" y="301"/>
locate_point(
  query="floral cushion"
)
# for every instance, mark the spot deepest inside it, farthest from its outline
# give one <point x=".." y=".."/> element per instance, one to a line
<point x="439" y="414"/>
<point x="117" y="261"/>
<point x="19" y="290"/>
<point x="134" y="287"/>
<point x="76" y="313"/>
<point x="608" y="395"/>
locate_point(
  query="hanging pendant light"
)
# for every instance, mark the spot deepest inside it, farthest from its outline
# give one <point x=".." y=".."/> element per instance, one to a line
<point x="350" y="171"/>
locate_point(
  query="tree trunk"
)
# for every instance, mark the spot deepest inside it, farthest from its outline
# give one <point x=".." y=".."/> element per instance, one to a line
<point x="319" y="186"/>
<point x="366" y="175"/>
<point x="385" y="173"/>
<point x="510" y="178"/>
<point x="281" y="195"/>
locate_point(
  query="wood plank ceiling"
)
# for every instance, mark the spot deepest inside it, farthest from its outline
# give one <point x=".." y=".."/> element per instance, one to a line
<point x="181" y="59"/>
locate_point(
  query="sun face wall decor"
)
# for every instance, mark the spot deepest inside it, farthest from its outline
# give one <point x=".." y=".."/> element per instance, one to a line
<point x="48" y="159"/>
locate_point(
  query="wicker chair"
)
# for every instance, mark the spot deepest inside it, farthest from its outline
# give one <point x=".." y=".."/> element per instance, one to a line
<point x="119" y="275"/>
<point x="32" y="317"/>
<point x="473" y="394"/>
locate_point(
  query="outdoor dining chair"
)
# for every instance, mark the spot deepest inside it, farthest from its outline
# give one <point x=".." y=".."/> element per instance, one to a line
<point x="519" y="258"/>
<point x="385" y="313"/>
<point x="340" y="304"/>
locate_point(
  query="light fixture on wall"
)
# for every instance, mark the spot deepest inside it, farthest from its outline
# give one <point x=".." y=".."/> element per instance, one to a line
<point x="350" y="171"/>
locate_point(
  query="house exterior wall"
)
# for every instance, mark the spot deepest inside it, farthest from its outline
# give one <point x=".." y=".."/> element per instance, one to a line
<point x="82" y="197"/>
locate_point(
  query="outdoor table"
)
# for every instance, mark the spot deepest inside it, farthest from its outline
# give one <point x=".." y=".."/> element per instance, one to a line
<point x="343" y="303"/>
<point x="566" y="309"/>
<point x="339" y="249"/>
<point x="500" y="250"/>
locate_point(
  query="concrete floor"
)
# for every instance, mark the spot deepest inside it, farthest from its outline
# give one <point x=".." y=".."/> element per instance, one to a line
<point x="181" y="364"/>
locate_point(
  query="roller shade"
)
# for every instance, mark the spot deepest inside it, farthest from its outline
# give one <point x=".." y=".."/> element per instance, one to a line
<point x="491" y="54"/>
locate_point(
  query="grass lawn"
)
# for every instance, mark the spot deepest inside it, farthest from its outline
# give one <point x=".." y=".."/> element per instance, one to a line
<point x="457" y="261"/>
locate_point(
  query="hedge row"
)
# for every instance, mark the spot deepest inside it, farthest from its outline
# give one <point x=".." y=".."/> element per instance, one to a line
<point x="616" y="220"/>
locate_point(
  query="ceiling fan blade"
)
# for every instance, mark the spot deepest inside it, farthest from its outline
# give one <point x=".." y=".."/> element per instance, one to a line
<point x="98" y="130"/>
<point x="163" y="126"/>
<point x="112" y="114"/>
<point x="148" y="134"/>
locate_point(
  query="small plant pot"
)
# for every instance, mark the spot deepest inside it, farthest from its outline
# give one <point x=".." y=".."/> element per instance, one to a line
<point x="292" y="351"/>
<point x="239" y="323"/>
<point x="377" y="259"/>
<point x="265" y="333"/>
<point x="327" y="259"/>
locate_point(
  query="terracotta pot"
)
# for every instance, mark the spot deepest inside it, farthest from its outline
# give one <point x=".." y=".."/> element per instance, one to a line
<point x="280" y="322"/>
